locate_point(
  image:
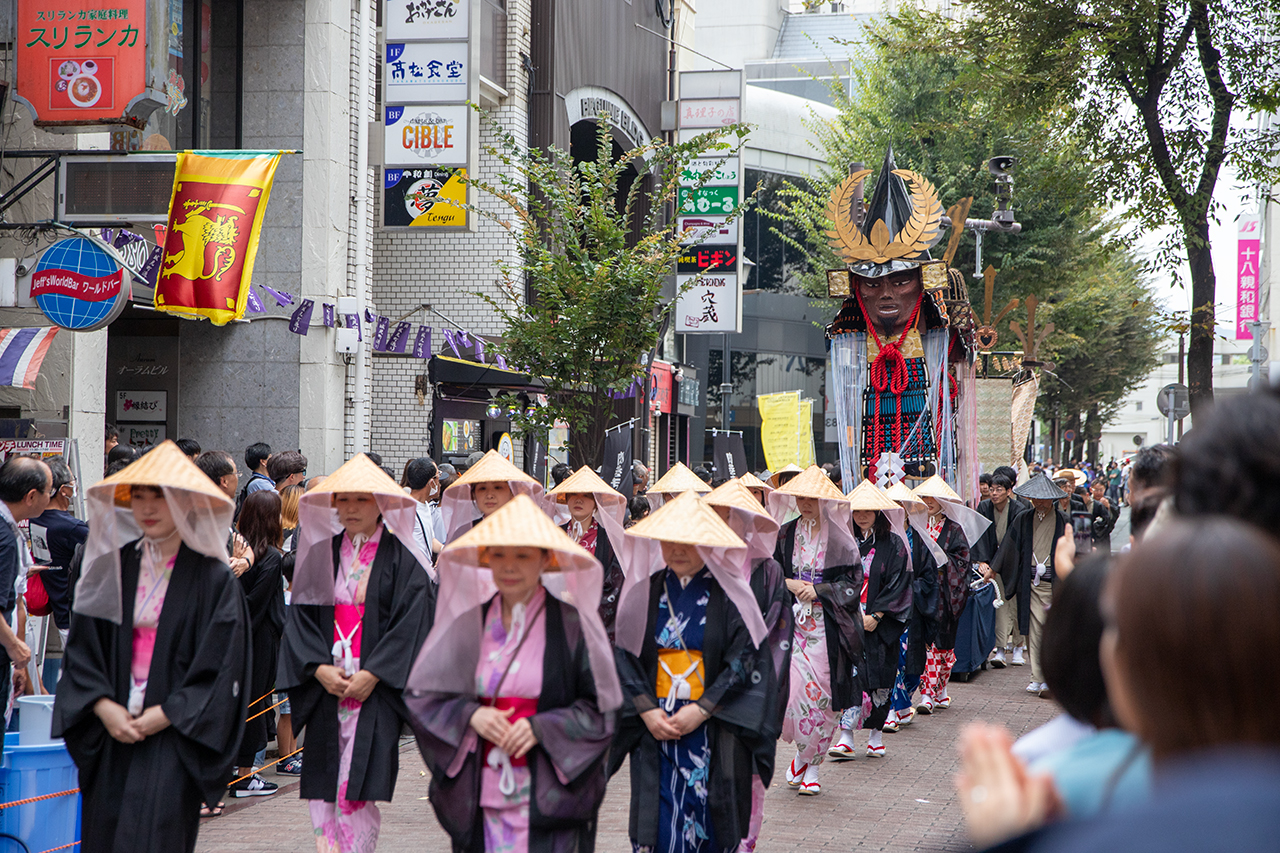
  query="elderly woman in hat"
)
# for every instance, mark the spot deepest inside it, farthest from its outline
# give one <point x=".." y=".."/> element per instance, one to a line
<point x="823" y="568"/>
<point x="1036" y="548"/>
<point x="152" y="698"/>
<point x="514" y="692"/>
<point x="746" y="517"/>
<point x="361" y="606"/>
<point x="481" y="491"/>
<point x="688" y="633"/>
<point x="949" y="529"/>
<point x="597" y="513"/>
<point x="886" y="600"/>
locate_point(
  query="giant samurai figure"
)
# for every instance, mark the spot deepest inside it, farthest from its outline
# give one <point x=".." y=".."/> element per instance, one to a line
<point x="902" y="344"/>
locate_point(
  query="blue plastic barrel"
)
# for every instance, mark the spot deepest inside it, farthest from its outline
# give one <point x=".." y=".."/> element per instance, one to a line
<point x="29" y="771"/>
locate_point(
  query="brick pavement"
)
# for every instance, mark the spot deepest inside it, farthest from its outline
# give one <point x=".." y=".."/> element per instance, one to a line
<point x="902" y="802"/>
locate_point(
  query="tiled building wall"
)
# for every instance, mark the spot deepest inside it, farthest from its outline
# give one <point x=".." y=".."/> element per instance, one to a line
<point x="443" y="270"/>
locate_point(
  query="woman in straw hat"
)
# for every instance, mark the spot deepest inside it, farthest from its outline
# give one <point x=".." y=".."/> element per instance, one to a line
<point x="744" y="514"/>
<point x="481" y="491"/>
<point x="688" y="633"/>
<point x="886" y="600"/>
<point x="361" y="605"/>
<point x="154" y="686"/>
<point x="824" y="575"/>
<point x="677" y="480"/>
<point x="758" y="488"/>
<point x="924" y="611"/>
<point x="514" y="693"/>
<point x="596" y="516"/>
<point x="949" y="528"/>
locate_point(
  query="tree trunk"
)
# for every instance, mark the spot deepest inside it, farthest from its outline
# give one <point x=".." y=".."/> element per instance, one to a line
<point x="1203" y="287"/>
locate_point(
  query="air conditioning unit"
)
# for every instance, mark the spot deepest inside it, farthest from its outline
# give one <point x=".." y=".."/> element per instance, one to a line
<point x="113" y="189"/>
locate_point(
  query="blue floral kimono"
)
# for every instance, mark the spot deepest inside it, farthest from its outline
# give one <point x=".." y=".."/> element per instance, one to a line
<point x="692" y="795"/>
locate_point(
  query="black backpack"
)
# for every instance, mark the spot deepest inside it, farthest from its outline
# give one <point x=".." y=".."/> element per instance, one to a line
<point x="244" y="492"/>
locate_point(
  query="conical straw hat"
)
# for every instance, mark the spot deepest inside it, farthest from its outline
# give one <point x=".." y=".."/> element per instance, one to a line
<point x="689" y="520"/>
<point x="735" y="495"/>
<point x="358" y="474"/>
<point x="679" y="479"/>
<point x="789" y="469"/>
<point x="520" y="524"/>
<point x="869" y="496"/>
<point x="164" y="465"/>
<point x="751" y="481"/>
<point x="493" y="468"/>
<point x="813" y="482"/>
<point x="899" y="492"/>
<point x="936" y="487"/>
<point x="584" y="481"/>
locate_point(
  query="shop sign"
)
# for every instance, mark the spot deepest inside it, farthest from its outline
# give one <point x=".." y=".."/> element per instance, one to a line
<point x="721" y="201"/>
<point x="142" y="435"/>
<point x="82" y="61"/>
<point x="710" y="305"/>
<point x="80" y="284"/>
<point x="506" y="449"/>
<point x="1248" y="264"/>
<point x="662" y="386"/>
<point x="707" y="257"/>
<point x="427" y="72"/>
<point x="412" y="20"/>
<point x="724" y="172"/>
<point x="142" y="406"/>
<point x="45" y="448"/>
<point x="426" y="136"/>
<point x="424" y="197"/>
<point x="717" y="112"/>
<point x="715" y="229"/>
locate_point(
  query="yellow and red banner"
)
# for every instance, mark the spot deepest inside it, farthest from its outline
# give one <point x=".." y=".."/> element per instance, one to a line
<point x="215" y="216"/>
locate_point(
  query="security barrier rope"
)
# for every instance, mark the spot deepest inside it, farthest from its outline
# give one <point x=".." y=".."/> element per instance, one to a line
<point x="37" y="799"/>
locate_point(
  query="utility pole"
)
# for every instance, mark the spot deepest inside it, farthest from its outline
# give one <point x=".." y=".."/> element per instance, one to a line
<point x="1182" y="369"/>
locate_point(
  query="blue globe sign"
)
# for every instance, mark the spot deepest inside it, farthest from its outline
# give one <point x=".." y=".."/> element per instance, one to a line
<point x="79" y="284"/>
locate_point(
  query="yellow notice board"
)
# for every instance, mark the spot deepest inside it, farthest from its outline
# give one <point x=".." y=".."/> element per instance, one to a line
<point x="804" y="434"/>
<point x="779" y="423"/>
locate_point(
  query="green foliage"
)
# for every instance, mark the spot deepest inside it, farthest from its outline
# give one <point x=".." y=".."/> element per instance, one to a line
<point x="917" y="101"/>
<point x="595" y="251"/>
<point x="1161" y="93"/>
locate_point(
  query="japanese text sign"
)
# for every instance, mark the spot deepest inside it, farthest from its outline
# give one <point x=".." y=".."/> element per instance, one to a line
<point x="413" y="20"/>
<point x="431" y="72"/>
<point x="1248" y="263"/>
<point x="716" y="112"/>
<point x="710" y="305"/>
<point x="724" y="172"/>
<point x="81" y="61"/>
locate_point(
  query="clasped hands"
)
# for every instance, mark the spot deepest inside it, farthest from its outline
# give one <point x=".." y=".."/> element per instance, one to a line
<point x="337" y="683"/>
<point x="664" y="726"/>
<point x="515" y="739"/>
<point x="802" y="590"/>
<point x="122" y="726"/>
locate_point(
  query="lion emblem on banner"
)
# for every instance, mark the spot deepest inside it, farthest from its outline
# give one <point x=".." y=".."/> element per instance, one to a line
<point x="199" y="232"/>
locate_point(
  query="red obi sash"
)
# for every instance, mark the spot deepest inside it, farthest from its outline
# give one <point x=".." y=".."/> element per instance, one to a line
<point x="523" y="708"/>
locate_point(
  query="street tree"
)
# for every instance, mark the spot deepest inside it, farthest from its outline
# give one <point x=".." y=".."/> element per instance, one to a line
<point x="583" y="306"/>
<point x="1163" y="96"/>
<point x="913" y="97"/>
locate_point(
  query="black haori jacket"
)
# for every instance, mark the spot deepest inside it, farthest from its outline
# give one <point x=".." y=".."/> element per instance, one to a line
<point x="398" y="612"/>
<point x="1016" y="564"/>
<point x="841" y="596"/>
<point x="573" y="738"/>
<point x="888" y="592"/>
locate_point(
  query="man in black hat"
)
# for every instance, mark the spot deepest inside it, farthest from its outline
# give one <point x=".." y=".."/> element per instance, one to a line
<point x="1028" y="561"/>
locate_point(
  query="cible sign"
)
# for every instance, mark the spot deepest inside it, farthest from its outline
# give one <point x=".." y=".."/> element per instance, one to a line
<point x="426" y="136"/>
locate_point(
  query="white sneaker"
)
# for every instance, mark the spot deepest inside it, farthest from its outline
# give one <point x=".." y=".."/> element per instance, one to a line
<point x="1017" y="657"/>
<point x="1035" y="687"/>
<point x="997" y="659"/>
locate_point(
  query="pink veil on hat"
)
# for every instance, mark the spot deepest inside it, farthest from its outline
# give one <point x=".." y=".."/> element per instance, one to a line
<point x="448" y="659"/>
<point x="201" y="512"/>
<point x="684" y="519"/>
<point x="748" y="518"/>
<point x="611" y="505"/>
<point x="970" y="521"/>
<point x="318" y="523"/>
<point x="833" y="508"/>
<point x="458" y="510"/>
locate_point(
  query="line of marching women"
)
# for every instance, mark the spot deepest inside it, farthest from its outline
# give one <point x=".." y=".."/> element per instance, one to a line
<point x="546" y="647"/>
